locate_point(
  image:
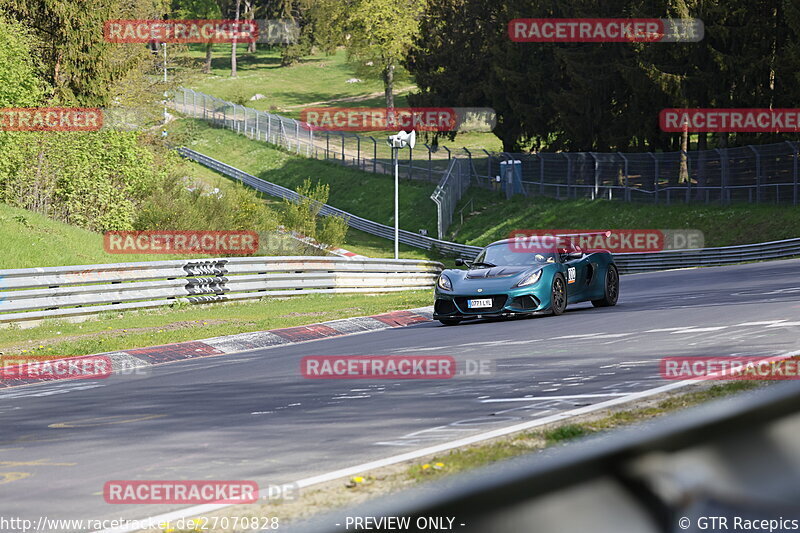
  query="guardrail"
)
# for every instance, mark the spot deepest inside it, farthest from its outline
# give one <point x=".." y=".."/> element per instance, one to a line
<point x="374" y="228"/>
<point x="53" y="292"/>
<point x="726" y="255"/>
<point x="728" y="459"/>
<point x="627" y="262"/>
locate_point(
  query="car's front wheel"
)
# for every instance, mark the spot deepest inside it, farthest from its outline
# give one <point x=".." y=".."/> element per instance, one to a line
<point x="611" y="290"/>
<point x="450" y="321"/>
<point x="558" y="295"/>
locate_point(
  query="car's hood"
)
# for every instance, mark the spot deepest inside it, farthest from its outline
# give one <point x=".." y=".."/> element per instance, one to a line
<point x="500" y="278"/>
<point x="497" y="272"/>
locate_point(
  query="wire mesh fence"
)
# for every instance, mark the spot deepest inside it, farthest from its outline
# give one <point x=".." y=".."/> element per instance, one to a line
<point x="755" y="174"/>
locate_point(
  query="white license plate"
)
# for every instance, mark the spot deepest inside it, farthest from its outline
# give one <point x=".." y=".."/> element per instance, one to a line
<point x="478" y="304"/>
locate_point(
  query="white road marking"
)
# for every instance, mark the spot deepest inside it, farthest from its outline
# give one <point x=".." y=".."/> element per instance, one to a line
<point x="699" y="330"/>
<point x="570" y="397"/>
<point x="439" y="448"/>
<point x="762" y="323"/>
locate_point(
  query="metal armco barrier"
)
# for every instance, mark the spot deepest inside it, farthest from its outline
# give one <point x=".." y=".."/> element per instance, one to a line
<point x="727" y="255"/>
<point x="627" y="262"/>
<point x="736" y="457"/>
<point x="406" y="237"/>
<point x="53" y="292"/>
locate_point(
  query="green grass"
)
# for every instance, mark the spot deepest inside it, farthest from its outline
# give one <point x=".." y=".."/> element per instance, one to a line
<point x="492" y="217"/>
<point x="484" y="454"/>
<point x="134" y="329"/>
<point x="28" y="240"/>
<point x="314" y="79"/>
<point x="361" y="193"/>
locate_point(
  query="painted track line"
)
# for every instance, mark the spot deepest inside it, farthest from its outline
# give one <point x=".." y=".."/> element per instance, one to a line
<point x="416" y="454"/>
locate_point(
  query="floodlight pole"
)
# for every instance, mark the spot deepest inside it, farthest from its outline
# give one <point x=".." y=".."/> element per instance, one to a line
<point x="164" y="46"/>
<point x="396" y="204"/>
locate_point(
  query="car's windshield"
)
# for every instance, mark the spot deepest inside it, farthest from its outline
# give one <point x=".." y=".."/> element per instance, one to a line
<point x="507" y="255"/>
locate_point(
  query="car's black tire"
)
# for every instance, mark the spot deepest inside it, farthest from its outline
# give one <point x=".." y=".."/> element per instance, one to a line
<point x="611" y="293"/>
<point x="450" y="321"/>
<point x="558" y="294"/>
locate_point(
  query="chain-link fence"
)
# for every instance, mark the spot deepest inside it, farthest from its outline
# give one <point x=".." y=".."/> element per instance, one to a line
<point x="367" y="153"/>
<point x="448" y="193"/>
<point x="756" y="174"/>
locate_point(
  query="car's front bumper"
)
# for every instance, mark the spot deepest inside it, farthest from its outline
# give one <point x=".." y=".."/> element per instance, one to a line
<point x="455" y="306"/>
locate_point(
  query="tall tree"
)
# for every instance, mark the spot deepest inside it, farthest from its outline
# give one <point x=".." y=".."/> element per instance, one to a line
<point x="81" y="67"/>
<point x="233" y="44"/>
<point x="377" y="31"/>
<point x="606" y="96"/>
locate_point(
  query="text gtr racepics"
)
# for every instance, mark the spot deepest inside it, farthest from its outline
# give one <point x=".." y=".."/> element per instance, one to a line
<point x="523" y="276"/>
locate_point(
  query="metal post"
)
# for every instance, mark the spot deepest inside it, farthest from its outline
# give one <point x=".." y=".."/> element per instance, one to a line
<point x="569" y="172"/>
<point x="596" y="189"/>
<point x="396" y="203"/>
<point x="448" y="152"/>
<point x="342" y="148"/>
<point x="794" y="171"/>
<point x="469" y="154"/>
<point x="374" y="155"/>
<point x="723" y="177"/>
<point x="488" y="164"/>
<point x="627" y="190"/>
<point x="541" y="173"/>
<point x="410" y="162"/>
<point x="688" y="177"/>
<point x="758" y="173"/>
<point x="358" y="151"/>
<point x="655" y="175"/>
<point x="429" y="161"/>
<point x="164" y="45"/>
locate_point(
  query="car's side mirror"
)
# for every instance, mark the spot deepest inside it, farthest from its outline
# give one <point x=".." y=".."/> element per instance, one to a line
<point x="461" y="262"/>
<point x="573" y="255"/>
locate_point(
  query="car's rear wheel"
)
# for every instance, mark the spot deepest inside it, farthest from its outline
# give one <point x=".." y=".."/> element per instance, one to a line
<point x="611" y="289"/>
<point x="450" y="321"/>
<point x="558" y="295"/>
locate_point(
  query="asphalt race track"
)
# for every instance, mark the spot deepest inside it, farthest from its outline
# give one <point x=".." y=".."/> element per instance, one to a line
<point x="253" y="416"/>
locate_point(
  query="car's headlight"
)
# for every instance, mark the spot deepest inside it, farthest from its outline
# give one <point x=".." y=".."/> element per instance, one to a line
<point x="444" y="283"/>
<point x="530" y="280"/>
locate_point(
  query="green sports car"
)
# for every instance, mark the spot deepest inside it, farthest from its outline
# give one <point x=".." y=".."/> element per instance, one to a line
<point x="512" y="277"/>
